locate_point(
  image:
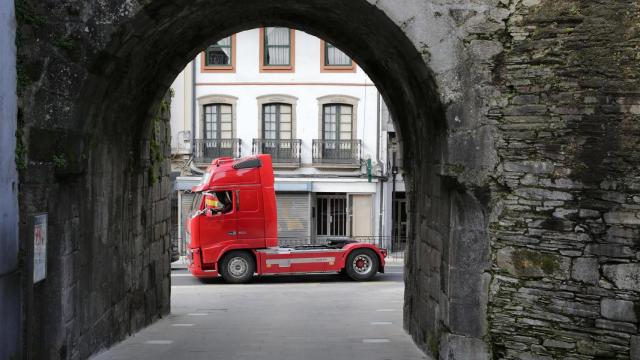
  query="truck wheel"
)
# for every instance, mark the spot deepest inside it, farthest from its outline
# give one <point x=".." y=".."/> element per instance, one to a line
<point x="362" y="264"/>
<point x="237" y="267"/>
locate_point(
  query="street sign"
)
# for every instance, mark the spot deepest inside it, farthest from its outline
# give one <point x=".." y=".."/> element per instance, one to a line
<point x="39" y="247"/>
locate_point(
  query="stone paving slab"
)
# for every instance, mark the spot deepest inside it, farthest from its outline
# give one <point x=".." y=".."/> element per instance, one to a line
<point x="280" y="318"/>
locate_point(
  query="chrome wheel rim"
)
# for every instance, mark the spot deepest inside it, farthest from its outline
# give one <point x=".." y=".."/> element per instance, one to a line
<point x="362" y="264"/>
<point x="238" y="266"/>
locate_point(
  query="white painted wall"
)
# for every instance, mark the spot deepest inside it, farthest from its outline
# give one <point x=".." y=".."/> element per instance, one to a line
<point x="181" y="111"/>
<point x="9" y="276"/>
<point x="307" y="84"/>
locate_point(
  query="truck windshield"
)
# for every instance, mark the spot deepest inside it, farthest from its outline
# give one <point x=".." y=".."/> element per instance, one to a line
<point x="197" y="201"/>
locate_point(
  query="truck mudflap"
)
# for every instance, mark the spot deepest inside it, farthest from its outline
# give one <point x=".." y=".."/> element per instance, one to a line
<point x="196" y="268"/>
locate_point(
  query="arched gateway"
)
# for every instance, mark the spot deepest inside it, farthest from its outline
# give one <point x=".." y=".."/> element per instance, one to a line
<point x="524" y="222"/>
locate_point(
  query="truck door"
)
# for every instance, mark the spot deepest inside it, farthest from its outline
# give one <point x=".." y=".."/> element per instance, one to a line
<point x="219" y="228"/>
<point x="250" y="216"/>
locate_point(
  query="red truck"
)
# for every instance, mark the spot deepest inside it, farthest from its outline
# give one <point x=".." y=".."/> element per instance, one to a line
<point x="233" y="230"/>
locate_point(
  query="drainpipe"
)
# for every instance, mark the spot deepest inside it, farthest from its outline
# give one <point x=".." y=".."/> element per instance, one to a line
<point x="181" y="246"/>
<point x="381" y="194"/>
<point x="193" y="108"/>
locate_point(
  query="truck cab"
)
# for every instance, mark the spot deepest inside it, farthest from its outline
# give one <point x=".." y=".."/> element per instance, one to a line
<point x="232" y="230"/>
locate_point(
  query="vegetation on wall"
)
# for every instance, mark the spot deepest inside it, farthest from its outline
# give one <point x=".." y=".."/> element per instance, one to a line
<point x="156" y="155"/>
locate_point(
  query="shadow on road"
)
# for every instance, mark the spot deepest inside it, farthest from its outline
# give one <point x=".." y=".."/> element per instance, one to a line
<point x="393" y="275"/>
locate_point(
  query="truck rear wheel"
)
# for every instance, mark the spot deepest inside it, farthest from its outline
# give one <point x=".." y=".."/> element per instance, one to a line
<point x="362" y="264"/>
<point x="237" y="267"/>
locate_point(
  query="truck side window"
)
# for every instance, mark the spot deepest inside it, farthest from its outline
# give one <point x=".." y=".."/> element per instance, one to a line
<point x="226" y="199"/>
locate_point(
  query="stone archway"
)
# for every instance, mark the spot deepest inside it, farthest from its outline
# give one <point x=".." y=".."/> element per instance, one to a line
<point x="508" y="219"/>
<point x="106" y="111"/>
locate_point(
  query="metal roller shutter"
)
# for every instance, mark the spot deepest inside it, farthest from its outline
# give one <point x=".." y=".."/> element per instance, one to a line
<point x="187" y="199"/>
<point x="293" y="218"/>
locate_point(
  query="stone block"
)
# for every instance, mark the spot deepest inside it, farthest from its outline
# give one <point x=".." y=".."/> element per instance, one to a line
<point x="532" y="356"/>
<point x="558" y="344"/>
<point x="529" y="167"/>
<point x="543" y="194"/>
<point x="456" y="347"/>
<point x="529" y="263"/>
<point x="574" y="308"/>
<point x="624" y="276"/>
<point x="592" y="348"/>
<point x="635" y="347"/>
<point x="588" y="213"/>
<point x="622" y="217"/>
<point x="565" y="213"/>
<point x="616" y="326"/>
<point x="467" y="313"/>
<point x="620" y="310"/>
<point x="610" y="250"/>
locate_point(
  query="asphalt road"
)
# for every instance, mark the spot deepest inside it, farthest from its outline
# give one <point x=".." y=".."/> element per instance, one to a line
<point x="278" y="317"/>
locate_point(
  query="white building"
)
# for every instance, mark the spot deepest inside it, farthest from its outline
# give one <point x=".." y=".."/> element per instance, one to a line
<point x="292" y="95"/>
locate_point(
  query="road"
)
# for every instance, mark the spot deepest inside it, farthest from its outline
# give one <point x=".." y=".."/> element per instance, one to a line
<point x="278" y="317"/>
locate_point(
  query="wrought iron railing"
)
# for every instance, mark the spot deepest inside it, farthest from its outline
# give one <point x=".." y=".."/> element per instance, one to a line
<point x="348" y="152"/>
<point x="281" y="151"/>
<point x="206" y="150"/>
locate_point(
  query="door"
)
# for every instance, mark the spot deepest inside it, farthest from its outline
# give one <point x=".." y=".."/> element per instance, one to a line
<point x="250" y="216"/>
<point x="277" y="131"/>
<point x="218" y="131"/>
<point x="361" y="212"/>
<point x="337" y="132"/>
<point x="218" y="229"/>
<point x="331" y="216"/>
<point x="400" y="222"/>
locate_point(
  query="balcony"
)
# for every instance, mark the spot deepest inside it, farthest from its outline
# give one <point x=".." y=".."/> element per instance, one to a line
<point x="284" y="153"/>
<point x="337" y="153"/>
<point x="205" y="150"/>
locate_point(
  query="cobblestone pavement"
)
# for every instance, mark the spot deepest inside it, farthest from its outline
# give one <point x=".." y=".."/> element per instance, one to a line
<point x="285" y="317"/>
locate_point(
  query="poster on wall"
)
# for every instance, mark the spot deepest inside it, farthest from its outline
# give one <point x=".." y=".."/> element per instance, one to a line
<point x="39" y="247"/>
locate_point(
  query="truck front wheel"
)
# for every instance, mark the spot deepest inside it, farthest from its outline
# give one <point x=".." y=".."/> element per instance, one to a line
<point x="362" y="264"/>
<point x="237" y="267"/>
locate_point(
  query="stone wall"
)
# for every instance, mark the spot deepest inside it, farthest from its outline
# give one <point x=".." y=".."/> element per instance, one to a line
<point x="519" y="125"/>
<point x="102" y="179"/>
<point x="567" y="239"/>
<point x="554" y="87"/>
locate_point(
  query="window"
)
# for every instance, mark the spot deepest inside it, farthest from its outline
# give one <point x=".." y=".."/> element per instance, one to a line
<point x="220" y="57"/>
<point x="334" y="60"/>
<point x="277" y="49"/>
<point x="218" y="131"/>
<point x="337" y="122"/>
<point x="225" y="202"/>
<point x="276" y="122"/>
<point x="277" y="130"/>
<point x="217" y="122"/>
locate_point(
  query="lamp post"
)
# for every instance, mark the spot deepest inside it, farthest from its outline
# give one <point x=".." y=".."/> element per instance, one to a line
<point x="394" y="173"/>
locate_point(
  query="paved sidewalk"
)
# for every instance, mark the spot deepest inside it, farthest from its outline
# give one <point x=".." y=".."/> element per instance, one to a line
<point x="285" y="317"/>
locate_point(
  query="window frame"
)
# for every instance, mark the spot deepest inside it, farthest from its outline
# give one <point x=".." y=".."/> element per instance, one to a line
<point x="211" y="100"/>
<point x="278" y="120"/>
<point x="341" y="100"/>
<point x="218" y="120"/>
<point x="338" y="121"/>
<point x="324" y="68"/>
<point x="278" y="68"/>
<point x="277" y="99"/>
<point x="219" y="68"/>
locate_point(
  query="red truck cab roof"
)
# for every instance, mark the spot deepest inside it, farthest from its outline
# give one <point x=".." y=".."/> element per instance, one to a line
<point x="248" y="170"/>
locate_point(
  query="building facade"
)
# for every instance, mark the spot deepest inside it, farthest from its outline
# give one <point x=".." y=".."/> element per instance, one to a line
<point x="290" y="94"/>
